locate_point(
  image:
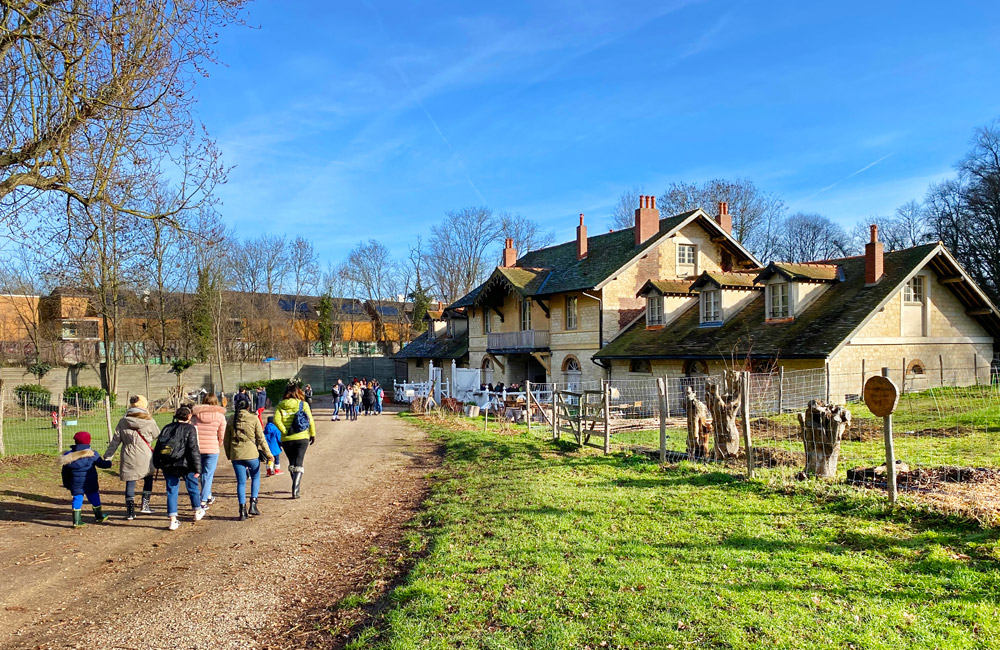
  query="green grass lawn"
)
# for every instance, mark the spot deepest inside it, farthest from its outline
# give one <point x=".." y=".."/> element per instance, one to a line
<point x="36" y="435"/>
<point x="525" y="543"/>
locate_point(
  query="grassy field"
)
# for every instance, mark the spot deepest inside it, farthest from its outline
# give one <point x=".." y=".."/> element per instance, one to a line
<point x="36" y="435"/>
<point x="526" y="543"/>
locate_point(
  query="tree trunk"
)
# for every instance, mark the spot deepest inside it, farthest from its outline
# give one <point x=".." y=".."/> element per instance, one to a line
<point x="724" y="408"/>
<point x="822" y="427"/>
<point x="698" y="427"/>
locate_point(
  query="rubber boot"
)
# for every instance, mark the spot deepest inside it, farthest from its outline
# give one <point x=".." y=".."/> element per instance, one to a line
<point x="296" y="485"/>
<point x="129" y="509"/>
<point x="243" y="512"/>
<point x="253" y="511"/>
<point x="145" y="509"/>
<point x="78" y="519"/>
<point x="99" y="515"/>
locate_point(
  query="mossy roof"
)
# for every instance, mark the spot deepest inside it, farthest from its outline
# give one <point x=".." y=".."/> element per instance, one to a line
<point x="724" y="279"/>
<point x="666" y="287"/>
<point x="426" y="346"/>
<point x="798" y="272"/>
<point x="815" y="334"/>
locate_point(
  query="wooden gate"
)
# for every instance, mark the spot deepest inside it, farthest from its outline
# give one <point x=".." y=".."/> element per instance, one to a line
<point x="582" y="414"/>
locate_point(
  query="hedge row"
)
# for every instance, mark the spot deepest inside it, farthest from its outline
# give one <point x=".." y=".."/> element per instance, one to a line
<point x="275" y="388"/>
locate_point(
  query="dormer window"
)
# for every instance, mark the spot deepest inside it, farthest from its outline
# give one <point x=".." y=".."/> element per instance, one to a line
<point x="777" y="300"/>
<point x="687" y="260"/>
<point x="654" y="310"/>
<point x="451" y="328"/>
<point x="711" y="307"/>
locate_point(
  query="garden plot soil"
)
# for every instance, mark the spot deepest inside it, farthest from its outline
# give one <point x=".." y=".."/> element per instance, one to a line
<point x="967" y="491"/>
<point x="271" y="582"/>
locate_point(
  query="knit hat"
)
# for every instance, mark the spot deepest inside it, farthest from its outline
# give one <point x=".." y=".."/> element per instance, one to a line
<point x="139" y="402"/>
<point x="82" y="438"/>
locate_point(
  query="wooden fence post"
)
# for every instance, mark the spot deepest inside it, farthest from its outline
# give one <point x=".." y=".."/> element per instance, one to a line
<point x="975" y="366"/>
<point x="107" y="415"/>
<point x="781" y="389"/>
<point x="827" y="382"/>
<point x="607" y="416"/>
<point x="903" y="388"/>
<point x="745" y="416"/>
<point x="861" y="395"/>
<point x="661" y="385"/>
<point x="941" y="366"/>
<point x="890" y="452"/>
<point x="555" y="415"/>
<point x="3" y="403"/>
<point x="527" y="403"/>
<point x="666" y="394"/>
<point x="59" y="421"/>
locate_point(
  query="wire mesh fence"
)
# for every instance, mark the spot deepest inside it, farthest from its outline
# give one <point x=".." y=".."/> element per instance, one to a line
<point x="43" y="423"/>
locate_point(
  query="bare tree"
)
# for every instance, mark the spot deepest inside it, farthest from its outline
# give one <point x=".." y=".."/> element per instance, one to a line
<point x="757" y="215"/>
<point x="527" y="234"/>
<point x="93" y="91"/>
<point x="381" y="280"/>
<point x="459" y="251"/>
<point x="623" y="211"/>
<point x="812" y="237"/>
<point x="908" y="227"/>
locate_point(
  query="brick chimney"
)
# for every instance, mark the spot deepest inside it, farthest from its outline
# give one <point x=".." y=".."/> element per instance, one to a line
<point x="647" y="219"/>
<point x="581" y="240"/>
<point x="509" y="253"/>
<point x="873" y="259"/>
<point x="723" y="218"/>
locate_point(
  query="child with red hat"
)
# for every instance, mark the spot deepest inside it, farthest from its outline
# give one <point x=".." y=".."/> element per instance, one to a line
<point x="79" y="476"/>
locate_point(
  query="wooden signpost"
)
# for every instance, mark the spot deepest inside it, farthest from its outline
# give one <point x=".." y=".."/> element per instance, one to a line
<point x="881" y="397"/>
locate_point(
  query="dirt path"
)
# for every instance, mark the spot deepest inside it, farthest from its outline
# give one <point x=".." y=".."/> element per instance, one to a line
<point x="218" y="583"/>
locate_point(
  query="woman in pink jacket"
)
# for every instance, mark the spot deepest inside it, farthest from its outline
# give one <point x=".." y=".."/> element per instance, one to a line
<point x="210" y="419"/>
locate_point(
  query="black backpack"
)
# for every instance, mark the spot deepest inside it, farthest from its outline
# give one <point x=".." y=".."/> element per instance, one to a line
<point x="170" y="452"/>
<point x="300" y="422"/>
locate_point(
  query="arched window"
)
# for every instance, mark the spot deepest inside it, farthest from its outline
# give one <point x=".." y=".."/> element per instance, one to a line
<point x="487" y="370"/>
<point x="695" y="368"/>
<point x="572" y="373"/>
<point x="916" y="367"/>
<point x="640" y="365"/>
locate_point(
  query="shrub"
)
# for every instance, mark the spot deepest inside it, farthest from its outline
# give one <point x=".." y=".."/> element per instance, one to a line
<point x="275" y="388"/>
<point x="91" y="394"/>
<point x="33" y="394"/>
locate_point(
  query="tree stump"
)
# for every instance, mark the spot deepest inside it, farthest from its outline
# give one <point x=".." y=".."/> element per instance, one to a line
<point x="724" y="408"/>
<point x="823" y="426"/>
<point x="698" y="426"/>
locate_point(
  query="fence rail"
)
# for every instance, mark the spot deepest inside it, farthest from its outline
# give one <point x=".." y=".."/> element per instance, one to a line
<point x="521" y="340"/>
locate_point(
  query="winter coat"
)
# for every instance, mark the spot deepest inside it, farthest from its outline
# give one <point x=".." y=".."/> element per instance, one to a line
<point x="245" y="437"/>
<point x="261" y="400"/>
<point x="186" y="457"/>
<point x="136" y="434"/>
<point x="369" y="397"/>
<point x="284" y="415"/>
<point x="272" y="435"/>
<point x="210" y="420"/>
<point x="79" y="469"/>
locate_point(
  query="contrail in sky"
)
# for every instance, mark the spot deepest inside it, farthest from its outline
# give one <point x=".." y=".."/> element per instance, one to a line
<point x="851" y="175"/>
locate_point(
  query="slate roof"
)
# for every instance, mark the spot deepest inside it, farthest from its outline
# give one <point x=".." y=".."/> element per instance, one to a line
<point x="799" y="272"/>
<point x="468" y="299"/>
<point x="426" y="346"/>
<point x="826" y="323"/>
<point x="666" y="287"/>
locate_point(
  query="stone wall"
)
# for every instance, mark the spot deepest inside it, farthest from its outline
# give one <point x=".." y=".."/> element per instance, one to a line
<point x="156" y="380"/>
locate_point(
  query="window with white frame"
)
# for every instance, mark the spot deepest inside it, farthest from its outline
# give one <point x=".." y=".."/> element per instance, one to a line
<point x="711" y="306"/>
<point x="777" y="300"/>
<point x="525" y="315"/>
<point x="487" y="321"/>
<point x="914" y="291"/>
<point x="654" y="310"/>
<point x="571" y="312"/>
<point x="687" y="257"/>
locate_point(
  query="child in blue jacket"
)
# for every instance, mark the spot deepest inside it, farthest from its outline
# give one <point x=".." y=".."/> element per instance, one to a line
<point x="79" y="476"/>
<point x="272" y="435"/>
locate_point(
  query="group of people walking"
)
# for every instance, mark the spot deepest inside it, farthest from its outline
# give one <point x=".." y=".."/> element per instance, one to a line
<point x="188" y="449"/>
<point x="359" y="395"/>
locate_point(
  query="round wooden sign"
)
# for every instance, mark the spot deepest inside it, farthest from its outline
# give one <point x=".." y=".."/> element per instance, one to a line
<point x="881" y="396"/>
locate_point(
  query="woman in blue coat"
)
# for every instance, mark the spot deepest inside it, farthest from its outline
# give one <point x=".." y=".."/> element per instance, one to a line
<point x="79" y="476"/>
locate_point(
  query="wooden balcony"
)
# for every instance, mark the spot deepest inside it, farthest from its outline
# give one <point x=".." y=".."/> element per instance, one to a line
<point x="523" y="341"/>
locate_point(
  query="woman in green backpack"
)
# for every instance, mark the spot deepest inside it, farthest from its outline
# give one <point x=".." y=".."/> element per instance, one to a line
<point x="294" y="419"/>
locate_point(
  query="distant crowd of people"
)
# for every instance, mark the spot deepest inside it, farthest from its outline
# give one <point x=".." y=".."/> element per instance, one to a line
<point x="188" y="449"/>
<point x="360" y="395"/>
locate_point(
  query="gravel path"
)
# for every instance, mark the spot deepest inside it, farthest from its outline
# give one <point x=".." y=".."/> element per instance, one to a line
<point x="218" y="583"/>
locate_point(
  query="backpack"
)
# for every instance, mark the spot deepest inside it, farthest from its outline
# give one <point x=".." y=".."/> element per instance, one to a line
<point x="170" y="452"/>
<point x="300" y="422"/>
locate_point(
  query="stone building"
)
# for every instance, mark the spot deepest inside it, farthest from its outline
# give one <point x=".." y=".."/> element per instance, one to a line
<point x="915" y="311"/>
<point x="543" y="316"/>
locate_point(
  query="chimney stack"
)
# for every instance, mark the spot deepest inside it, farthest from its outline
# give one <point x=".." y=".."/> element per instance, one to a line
<point x="509" y="253"/>
<point x="581" y="240"/>
<point x="647" y="219"/>
<point x="723" y="218"/>
<point x="873" y="259"/>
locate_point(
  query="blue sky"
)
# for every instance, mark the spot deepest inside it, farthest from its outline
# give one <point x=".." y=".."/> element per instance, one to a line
<point x="346" y="121"/>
